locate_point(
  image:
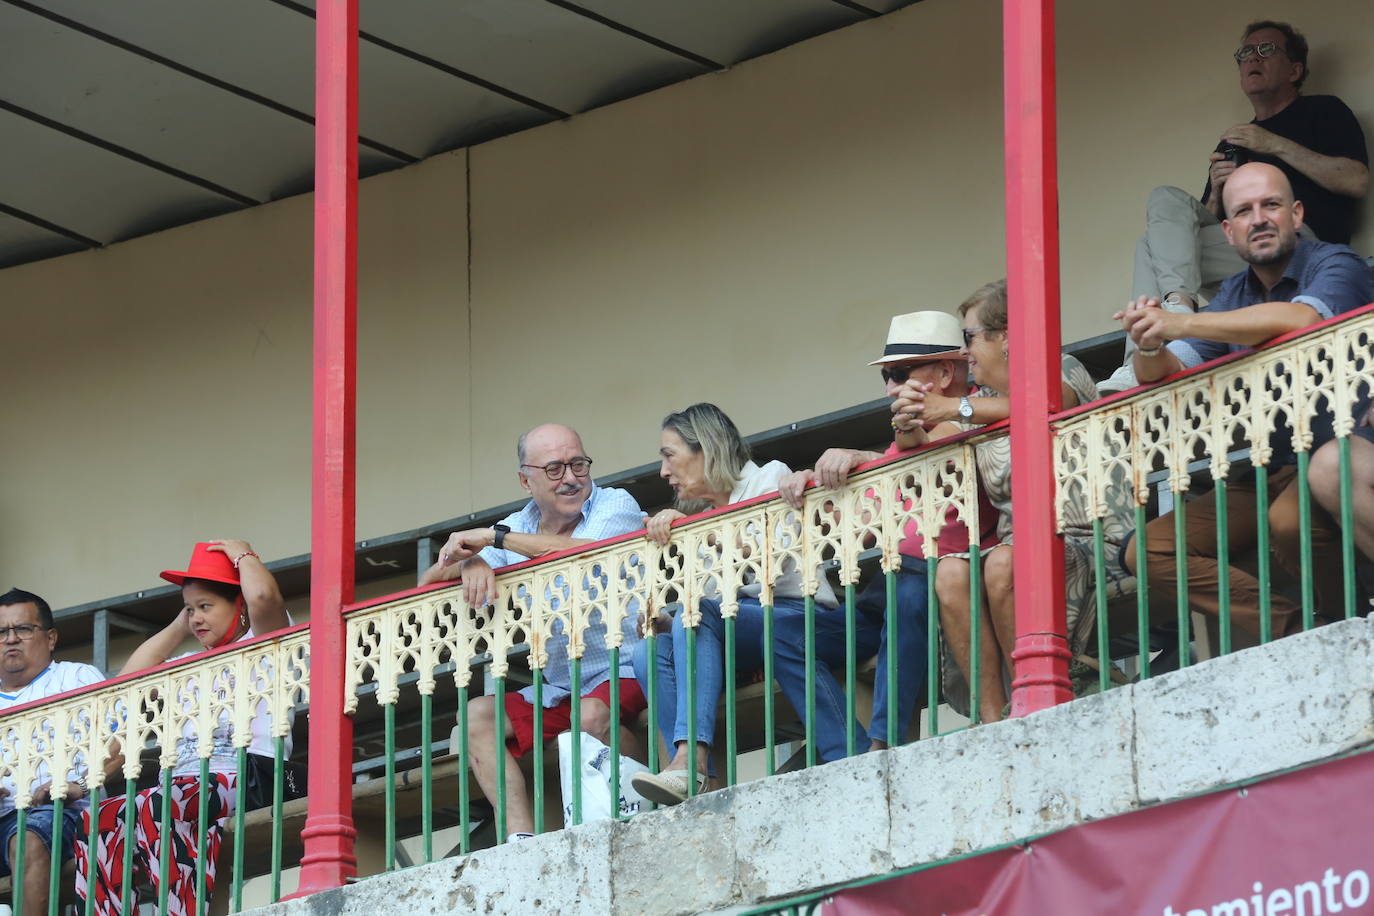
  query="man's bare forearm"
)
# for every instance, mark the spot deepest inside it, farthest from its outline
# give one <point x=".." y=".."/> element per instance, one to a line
<point x="1336" y="174"/>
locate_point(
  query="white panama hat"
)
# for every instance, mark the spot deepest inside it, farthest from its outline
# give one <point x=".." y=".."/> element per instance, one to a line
<point x="923" y="335"/>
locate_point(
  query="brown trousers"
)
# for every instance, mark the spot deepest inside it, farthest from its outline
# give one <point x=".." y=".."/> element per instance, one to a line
<point x="1242" y="526"/>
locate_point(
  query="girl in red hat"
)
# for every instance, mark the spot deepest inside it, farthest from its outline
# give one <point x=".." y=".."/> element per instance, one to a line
<point x="228" y="596"/>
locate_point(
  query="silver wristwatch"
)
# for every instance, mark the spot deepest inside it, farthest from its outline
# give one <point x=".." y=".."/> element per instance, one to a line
<point x="965" y="408"/>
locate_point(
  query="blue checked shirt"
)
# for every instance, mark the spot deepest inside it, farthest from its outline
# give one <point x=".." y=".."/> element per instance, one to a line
<point x="605" y="514"/>
<point x="1332" y="279"/>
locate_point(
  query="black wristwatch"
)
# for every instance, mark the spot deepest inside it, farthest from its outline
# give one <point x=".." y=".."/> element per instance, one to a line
<point x="499" y="541"/>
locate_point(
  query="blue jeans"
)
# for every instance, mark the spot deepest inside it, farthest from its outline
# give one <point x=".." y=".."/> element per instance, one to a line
<point x="789" y="631"/>
<point x="871" y="631"/>
<point x="789" y="642"/>
<point x="39" y="823"/>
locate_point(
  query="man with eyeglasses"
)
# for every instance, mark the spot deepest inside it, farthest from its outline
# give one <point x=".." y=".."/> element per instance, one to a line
<point x="924" y="370"/>
<point x="28" y="673"/>
<point x="566" y="510"/>
<point x="1315" y="140"/>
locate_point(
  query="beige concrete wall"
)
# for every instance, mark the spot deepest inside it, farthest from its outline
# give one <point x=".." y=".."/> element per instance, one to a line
<point x="162" y="392"/>
<point x="741" y="238"/>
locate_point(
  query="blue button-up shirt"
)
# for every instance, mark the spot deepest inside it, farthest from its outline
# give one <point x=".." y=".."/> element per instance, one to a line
<point x="1332" y="279"/>
<point x="606" y="513"/>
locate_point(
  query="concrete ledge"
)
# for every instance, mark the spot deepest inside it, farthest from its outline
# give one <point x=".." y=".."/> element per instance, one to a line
<point x="1299" y="701"/>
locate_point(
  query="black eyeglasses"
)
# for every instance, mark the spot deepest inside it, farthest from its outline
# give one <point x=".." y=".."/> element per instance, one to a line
<point x="25" y="632"/>
<point x="580" y="467"/>
<point x="1265" y="49"/>
<point x="971" y="334"/>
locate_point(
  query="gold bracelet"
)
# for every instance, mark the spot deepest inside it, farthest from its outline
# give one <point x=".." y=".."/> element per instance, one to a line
<point x="1148" y="353"/>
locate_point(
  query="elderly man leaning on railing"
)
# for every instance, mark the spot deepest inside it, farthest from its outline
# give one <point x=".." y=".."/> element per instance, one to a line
<point x="925" y="371"/>
<point x="28" y="673"/>
<point x="1291" y="284"/>
<point x="566" y="509"/>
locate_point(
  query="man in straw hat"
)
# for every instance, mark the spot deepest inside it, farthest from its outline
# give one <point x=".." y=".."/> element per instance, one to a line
<point x="925" y="371"/>
<point x="28" y="673"/>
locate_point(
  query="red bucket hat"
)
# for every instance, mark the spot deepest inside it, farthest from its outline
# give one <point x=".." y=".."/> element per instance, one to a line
<point x="205" y="564"/>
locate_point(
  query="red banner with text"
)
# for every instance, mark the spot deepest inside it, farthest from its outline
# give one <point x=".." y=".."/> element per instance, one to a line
<point x="1301" y="844"/>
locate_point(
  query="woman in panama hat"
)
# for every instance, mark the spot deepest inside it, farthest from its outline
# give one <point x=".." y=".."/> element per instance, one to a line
<point x="228" y="595"/>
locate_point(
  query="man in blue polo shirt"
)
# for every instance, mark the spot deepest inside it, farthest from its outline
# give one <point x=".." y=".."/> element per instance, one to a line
<point x="1291" y="283"/>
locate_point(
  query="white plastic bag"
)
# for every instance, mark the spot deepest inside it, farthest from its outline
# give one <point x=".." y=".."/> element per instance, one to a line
<point x="595" y="777"/>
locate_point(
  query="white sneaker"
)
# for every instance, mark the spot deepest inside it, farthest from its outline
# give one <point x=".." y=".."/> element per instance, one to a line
<point x="666" y="788"/>
<point x="1122" y="379"/>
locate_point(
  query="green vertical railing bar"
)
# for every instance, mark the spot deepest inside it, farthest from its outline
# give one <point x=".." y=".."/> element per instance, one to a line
<point x="932" y="642"/>
<point x="165" y="859"/>
<point x="278" y="801"/>
<point x="975" y="611"/>
<point x="731" y="716"/>
<point x="1309" y="602"/>
<point x="1185" y="639"/>
<point x="1223" y="563"/>
<point x="614" y="653"/>
<point x="428" y="775"/>
<point x="1104" y="654"/>
<point x="809" y="610"/>
<point x="770" y="733"/>
<point x="127" y="891"/>
<point x="389" y="822"/>
<point x="851" y="662"/>
<point x="54" y="862"/>
<point x="1266" y="621"/>
<point x="500" y="703"/>
<point x="202" y="832"/>
<point x="1347" y="531"/>
<point x="538" y="750"/>
<point x="240" y="803"/>
<point x="893" y="735"/>
<point x="651" y="700"/>
<point x="575" y="671"/>
<point x="92" y="837"/>
<point x="1142" y="594"/>
<point x="692" y="736"/>
<point x="21" y="821"/>
<point x="464" y="775"/>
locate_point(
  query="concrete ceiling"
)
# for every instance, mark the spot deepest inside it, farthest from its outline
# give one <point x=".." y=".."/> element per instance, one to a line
<point x="124" y="117"/>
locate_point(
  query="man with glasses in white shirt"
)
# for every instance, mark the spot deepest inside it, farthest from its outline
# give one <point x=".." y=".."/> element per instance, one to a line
<point x="566" y="510"/>
<point x="28" y="673"/>
<point x="1315" y="140"/>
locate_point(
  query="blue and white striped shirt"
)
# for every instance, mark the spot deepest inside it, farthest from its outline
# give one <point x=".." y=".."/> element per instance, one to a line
<point x="606" y="513"/>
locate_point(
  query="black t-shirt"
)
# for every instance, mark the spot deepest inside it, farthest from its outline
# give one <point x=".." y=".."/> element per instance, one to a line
<point x="1323" y="124"/>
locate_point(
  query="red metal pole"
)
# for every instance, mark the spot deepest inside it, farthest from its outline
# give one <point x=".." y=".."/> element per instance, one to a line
<point x="1041" y="655"/>
<point x="329" y="832"/>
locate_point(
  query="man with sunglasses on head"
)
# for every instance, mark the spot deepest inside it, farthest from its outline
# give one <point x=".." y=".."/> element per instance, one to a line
<point x="566" y="510"/>
<point x="1315" y="140"/>
<point x="28" y="673"/>
<point x="925" y="373"/>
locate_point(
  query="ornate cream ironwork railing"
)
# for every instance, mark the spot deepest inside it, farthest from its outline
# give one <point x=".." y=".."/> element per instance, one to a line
<point x="595" y="598"/>
<point x="182" y="709"/>
<point x="1264" y="408"/>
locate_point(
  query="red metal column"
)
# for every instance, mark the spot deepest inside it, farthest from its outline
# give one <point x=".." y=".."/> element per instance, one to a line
<point x="1041" y="655"/>
<point x="329" y="831"/>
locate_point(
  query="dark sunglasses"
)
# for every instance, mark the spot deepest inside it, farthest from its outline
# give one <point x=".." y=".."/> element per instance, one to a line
<point x="897" y="375"/>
